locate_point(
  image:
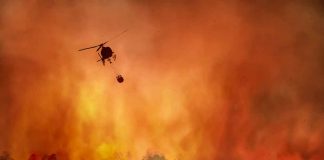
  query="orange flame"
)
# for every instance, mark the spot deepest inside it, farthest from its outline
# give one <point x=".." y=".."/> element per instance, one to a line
<point x="203" y="80"/>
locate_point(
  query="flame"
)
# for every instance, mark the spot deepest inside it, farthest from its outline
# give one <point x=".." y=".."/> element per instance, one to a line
<point x="203" y="80"/>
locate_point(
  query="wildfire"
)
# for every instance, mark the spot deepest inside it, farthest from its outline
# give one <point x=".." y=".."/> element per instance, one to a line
<point x="228" y="80"/>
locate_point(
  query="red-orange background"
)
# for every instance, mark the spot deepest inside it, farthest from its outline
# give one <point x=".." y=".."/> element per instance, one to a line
<point x="214" y="80"/>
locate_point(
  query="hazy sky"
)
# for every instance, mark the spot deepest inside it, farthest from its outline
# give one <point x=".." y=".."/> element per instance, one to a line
<point x="204" y="79"/>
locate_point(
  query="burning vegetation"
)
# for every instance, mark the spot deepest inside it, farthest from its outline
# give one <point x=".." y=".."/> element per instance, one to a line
<point x="212" y="80"/>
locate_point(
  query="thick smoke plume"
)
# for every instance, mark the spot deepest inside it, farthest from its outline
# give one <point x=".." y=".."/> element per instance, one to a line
<point x="214" y="80"/>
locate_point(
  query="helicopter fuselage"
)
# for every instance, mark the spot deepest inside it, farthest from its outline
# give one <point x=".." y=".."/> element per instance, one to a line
<point x="106" y="52"/>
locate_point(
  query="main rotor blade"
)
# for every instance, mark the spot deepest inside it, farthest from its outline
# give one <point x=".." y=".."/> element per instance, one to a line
<point x="88" y="48"/>
<point x="99" y="47"/>
<point x="116" y="36"/>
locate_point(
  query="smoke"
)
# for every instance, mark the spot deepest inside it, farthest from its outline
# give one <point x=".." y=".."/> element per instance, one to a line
<point x="203" y="79"/>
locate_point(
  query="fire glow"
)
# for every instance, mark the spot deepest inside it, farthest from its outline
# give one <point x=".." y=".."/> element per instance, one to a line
<point x="228" y="80"/>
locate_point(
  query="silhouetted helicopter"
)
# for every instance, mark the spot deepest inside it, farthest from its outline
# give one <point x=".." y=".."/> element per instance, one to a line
<point x="105" y="53"/>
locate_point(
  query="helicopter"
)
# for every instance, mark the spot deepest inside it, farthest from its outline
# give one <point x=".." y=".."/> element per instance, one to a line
<point x="106" y="53"/>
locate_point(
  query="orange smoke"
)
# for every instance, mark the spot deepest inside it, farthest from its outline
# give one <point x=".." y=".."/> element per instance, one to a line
<point x="203" y="80"/>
